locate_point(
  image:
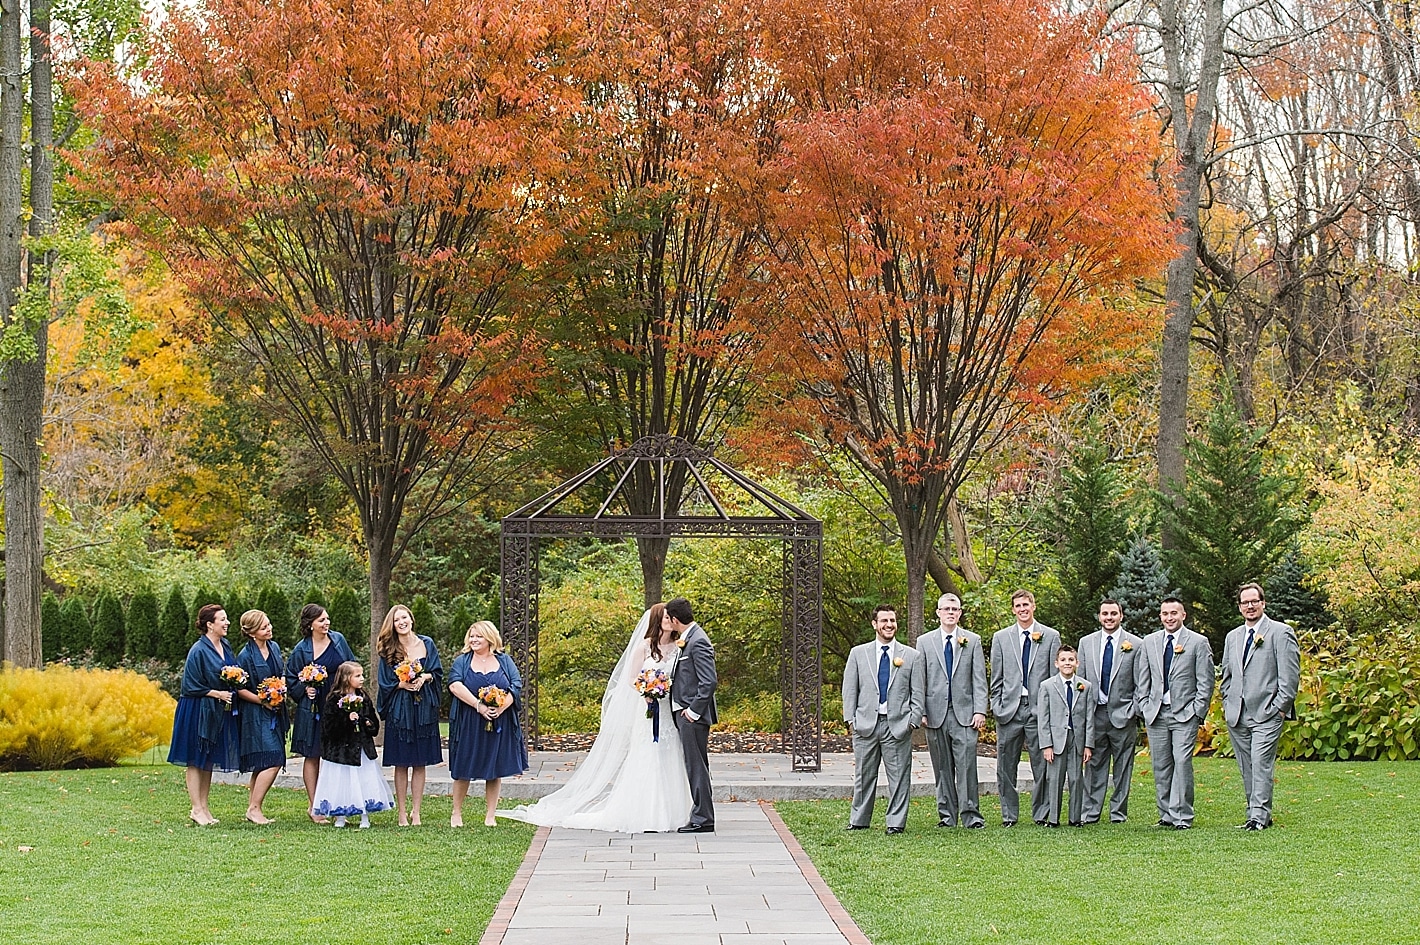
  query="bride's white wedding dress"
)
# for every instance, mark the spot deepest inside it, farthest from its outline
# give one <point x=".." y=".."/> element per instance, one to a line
<point x="628" y="782"/>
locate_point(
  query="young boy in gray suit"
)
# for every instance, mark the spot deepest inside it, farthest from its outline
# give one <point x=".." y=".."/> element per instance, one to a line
<point x="1065" y="709"/>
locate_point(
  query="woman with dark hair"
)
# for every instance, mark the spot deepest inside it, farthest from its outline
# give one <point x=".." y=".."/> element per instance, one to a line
<point x="410" y="678"/>
<point x="205" y="727"/>
<point x="263" y="710"/>
<point x="309" y="671"/>
<point x="485" y="741"/>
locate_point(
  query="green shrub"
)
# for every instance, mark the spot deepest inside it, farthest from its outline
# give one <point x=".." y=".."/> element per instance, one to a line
<point x="142" y="636"/>
<point x="285" y="627"/>
<point x="76" y="633"/>
<point x="458" y="627"/>
<point x="108" y="630"/>
<point x="315" y="595"/>
<point x="347" y="615"/>
<point x="175" y="629"/>
<point x="424" y="620"/>
<point x="64" y="718"/>
<point x="51" y="627"/>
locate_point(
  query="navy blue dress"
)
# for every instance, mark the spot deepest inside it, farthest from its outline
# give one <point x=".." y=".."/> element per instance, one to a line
<point x="305" y="728"/>
<point x="263" y="729"/>
<point x="412" y="718"/>
<point x="205" y="730"/>
<point x="475" y="753"/>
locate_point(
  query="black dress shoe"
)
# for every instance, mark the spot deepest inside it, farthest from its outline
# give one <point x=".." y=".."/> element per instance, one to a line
<point x="696" y="828"/>
<point x="1008" y="823"/>
<point x="1095" y="821"/>
<point x="1046" y="823"/>
<point x="856" y="827"/>
<point x="1163" y="823"/>
<point x="893" y="830"/>
<point x="1183" y="826"/>
<point x="980" y="826"/>
<point x="944" y="823"/>
<point x="1080" y="823"/>
<point x="1041" y="823"/>
<point x="1253" y="825"/>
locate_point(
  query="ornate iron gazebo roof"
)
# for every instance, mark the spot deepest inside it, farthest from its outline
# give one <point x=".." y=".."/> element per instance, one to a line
<point x="716" y="500"/>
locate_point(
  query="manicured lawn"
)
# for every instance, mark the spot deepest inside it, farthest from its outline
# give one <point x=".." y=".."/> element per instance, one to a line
<point x="114" y="859"/>
<point x="1341" y="866"/>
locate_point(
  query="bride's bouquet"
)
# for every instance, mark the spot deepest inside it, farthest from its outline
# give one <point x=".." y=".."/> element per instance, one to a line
<point x="654" y="685"/>
<point x="494" y="698"/>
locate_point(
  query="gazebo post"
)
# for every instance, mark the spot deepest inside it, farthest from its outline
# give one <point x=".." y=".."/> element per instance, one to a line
<point x="518" y="563"/>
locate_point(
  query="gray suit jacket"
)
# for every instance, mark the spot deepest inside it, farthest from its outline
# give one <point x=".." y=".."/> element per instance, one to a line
<point x="967" y="687"/>
<point x="1054" y="713"/>
<point x="1190" y="678"/>
<point x="1123" y="704"/>
<point x="694" y="680"/>
<point x="860" y="690"/>
<point x="1006" y="668"/>
<point x="1263" y="683"/>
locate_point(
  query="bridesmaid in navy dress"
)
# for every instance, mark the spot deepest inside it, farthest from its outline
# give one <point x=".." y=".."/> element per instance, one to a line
<point x="205" y="727"/>
<point x="410" y="708"/>
<point x="485" y="743"/>
<point x="318" y="644"/>
<point x="263" y="729"/>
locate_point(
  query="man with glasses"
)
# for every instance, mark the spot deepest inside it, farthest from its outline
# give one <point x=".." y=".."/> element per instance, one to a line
<point x="951" y="673"/>
<point x="1262" y="667"/>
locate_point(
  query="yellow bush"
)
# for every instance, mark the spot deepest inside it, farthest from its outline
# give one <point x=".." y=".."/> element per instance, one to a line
<point x="62" y="717"/>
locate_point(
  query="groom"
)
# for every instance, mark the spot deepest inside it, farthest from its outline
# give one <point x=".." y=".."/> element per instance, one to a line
<point x="693" y="702"/>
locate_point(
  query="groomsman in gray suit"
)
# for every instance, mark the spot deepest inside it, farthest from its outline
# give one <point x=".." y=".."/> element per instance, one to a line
<point x="881" y="708"/>
<point x="1022" y="657"/>
<point x="1067" y="735"/>
<point x="950" y="672"/>
<point x="1174" y="681"/>
<point x="1262" y="667"/>
<point x="1107" y="660"/>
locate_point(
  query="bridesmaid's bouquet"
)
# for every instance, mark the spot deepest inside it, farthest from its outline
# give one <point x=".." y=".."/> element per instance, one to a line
<point x="314" y="674"/>
<point x="351" y="702"/>
<point x="494" y="698"/>
<point x="271" y="691"/>
<point x="655" y="685"/>
<point x="235" y="678"/>
<point x="408" y="671"/>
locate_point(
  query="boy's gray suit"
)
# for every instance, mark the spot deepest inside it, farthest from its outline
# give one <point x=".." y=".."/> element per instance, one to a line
<point x="1067" y="725"/>
<point x="1116" y="722"/>
<point x="881" y="737"/>
<point x="1173" y="728"/>
<point x="1015" y="713"/>
<point x="1259" y="691"/>
<point x="950" y="701"/>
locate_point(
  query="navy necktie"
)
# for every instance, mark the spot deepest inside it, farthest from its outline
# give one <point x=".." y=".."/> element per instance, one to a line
<point x="1247" y="650"/>
<point x="1168" y="659"/>
<point x="883" y="670"/>
<point x="948" y="654"/>
<point x="1069" y="703"/>
<point x="1106" y="665"/>
<point x="1025" y="659"/>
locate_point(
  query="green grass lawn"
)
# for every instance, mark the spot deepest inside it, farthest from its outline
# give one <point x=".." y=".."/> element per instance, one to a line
<point x="114" y="859"/>
<point x="1341" y="866"/>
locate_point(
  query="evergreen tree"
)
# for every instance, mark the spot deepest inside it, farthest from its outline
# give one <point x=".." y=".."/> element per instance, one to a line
<point x="1142" y="586"/>
<point x="349" y="615"/>
<point x="143" y="633"/>
<point x="1091" y="531"/>
<point x="423" y="615"/>
<point x="458" y="627"/>
<point x="1232" y="523"/>
<point x="108" y="630"/>
<point x="315" y="595"/>
<point x="51" y="627"/>
<point x="206" y="594"/>
<point x="175" y="627"/>
<point x="236" y="604"/>
<point x="1290" y="596"/>
<point x="285" y="628"/>
<point x="77" y="633"/>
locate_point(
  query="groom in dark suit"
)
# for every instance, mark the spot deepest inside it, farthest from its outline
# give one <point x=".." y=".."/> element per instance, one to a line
<point x="693" y="703"/>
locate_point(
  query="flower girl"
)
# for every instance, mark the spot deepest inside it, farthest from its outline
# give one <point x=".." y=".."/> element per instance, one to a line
<point x="350" y="780"/>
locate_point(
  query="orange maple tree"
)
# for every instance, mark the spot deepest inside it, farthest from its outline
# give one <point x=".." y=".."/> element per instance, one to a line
<point x="963" y="187"/>
<point x="354" y="189"/>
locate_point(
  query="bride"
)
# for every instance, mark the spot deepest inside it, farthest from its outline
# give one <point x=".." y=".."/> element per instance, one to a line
<point x="629" y="782"/>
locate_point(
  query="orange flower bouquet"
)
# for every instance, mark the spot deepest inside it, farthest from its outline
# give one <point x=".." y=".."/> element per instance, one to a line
<point x="271" y="691"/>
<point x="494" y="698"/>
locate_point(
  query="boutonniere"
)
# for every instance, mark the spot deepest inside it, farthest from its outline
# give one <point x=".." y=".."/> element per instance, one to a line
<point x="1126" y="647"/>
<point x="1035" y="637"/>
<point x="1178" y="647"/>
<point x="897" y="661"/>
<point x="680" y="643"/>
<point x="1079" y="687"/>
<point x="1257" y="641"/>
<point x="961" y="641"/>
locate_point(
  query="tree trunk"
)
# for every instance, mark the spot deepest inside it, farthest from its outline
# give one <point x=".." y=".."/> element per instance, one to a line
<point x="381" y="572"/>
<point x="941" y="574"/>
<point x="21" y="381"/>
<point x="915" y="552"/>
<point x="1192" y="139"/>
<point x="653" y="566"/>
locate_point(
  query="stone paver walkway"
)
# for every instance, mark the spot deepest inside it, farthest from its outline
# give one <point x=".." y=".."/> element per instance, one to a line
<point x="748" y="883"/>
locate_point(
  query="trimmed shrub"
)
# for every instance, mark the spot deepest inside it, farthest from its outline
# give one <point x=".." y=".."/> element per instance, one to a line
<point x="71" y="718"/>
<point x="348" y="615"/>
<point x="142" y="637"/>
<point x="315" y="595"/>
<point x="425" y="622"/>
<point x="458" y="628"/>
<point x="51" y="627"/>
<point x="76" y="633"/>
<point x="175" y="631"/>
<point x="285" y="629"/>
<point x="108" y="630"/>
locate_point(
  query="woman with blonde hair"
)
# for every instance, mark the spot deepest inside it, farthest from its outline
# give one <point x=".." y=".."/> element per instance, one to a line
<point x="410" y="676"/>
<point x="263" y="724"/>
<point x="485" y="740"/>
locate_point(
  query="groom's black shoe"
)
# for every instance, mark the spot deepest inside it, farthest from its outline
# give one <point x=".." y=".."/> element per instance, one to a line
<point x="696" y="828"/>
